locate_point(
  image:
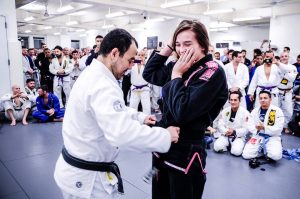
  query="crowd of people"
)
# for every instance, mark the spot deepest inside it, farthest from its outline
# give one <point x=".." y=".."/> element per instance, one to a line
<point x="246" y="104"/>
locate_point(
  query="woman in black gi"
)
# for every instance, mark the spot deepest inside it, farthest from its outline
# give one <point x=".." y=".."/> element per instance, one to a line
<point x="194" y="91"/>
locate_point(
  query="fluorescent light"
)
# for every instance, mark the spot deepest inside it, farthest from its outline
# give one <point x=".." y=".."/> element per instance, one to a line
<point x="80" y="30"/>
<point x="71" y="23"/>
<point x="212" y="12"/>
<point x="65" y="8"/>
<point x="27" y="31"/>
<point x="246" y="19"/>
<point x="56" y="33"/>
<point x="217" y="29"/>
<point x="80" y="13"/>
<point x="47" y="27"/>
<point x="114" y="14"/>
<point x="29" y="18"/>
<point x="33" y="6"/>
<point x="175" y="3"/>
<point x="108" y="26"/>
<point x="220" y="24"/>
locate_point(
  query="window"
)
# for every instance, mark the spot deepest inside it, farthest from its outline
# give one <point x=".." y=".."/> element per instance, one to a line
<point x="152" y="42"/>
<point x="24" y="41"/>
<point x="37" y="42"/>
<point x="75" y="44"/>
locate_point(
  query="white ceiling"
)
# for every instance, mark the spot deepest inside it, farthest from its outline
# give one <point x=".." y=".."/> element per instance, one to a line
<point x="94" y="11"/>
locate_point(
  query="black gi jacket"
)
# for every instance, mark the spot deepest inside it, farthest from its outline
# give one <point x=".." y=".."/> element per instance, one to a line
<point x="192" y="107"/>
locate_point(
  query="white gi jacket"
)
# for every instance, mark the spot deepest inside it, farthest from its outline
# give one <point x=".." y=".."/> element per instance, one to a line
<point x="243" y="122"/>
<point x="25" y="64"/>
<point x="31" y="94"/>
<point x="274" y="120"/>
<point x="66" y="64"/>
<point x="287" y="81"/>
<point x="239" y="79"/>
<point x="136" y="77"/>
<point x="96" y="124"/>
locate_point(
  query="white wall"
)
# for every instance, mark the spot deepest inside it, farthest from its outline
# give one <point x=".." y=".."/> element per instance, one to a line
<point x="15" y="71"/>
<point x="249" y="37"/>
<point x="284" y="31"/>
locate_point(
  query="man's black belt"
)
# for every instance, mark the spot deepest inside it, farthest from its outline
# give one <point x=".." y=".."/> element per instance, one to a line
<point x="94" y="166"/>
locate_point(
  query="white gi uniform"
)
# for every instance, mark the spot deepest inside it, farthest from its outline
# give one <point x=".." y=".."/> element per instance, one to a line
<point x="242" y="124"/>
<point x="96" y="124"/>
<point x="260" y="82"/>
<point x="18" y="110"/>
<point x="239" y="79"/>
<point x="285" y="97"/>
<point x="26" y="68"/>
<point x="155" y="96"/>
<point x="78" y="68"/>
<point x="61" y="81"/>
<point x="32" y="95"/>
<point x="140" y="90"/>
<point x="273" y="123"/>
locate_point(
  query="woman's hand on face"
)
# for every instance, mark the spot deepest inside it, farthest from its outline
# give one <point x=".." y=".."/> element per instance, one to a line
<point x="184" y="62"/>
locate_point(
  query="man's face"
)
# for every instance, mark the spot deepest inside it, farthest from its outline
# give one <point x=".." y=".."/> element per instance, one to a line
<point x="230" y="55"/>
<point x="40" y="92"/>
<point x="217" y="56"/>
<point x="75" y="55"/>
<point x="234" y="101"/>
<point x="31" y="52"/>
<point x="16" y="90"/>
<point x="48" y="53"/>
<point x="269" y="56"/>
<point x="98" y="41"/>
<point x="243" y="54"/>
<point x="31" y="85"/>
<point x="65" y="51"/>
<point x="44" y="46"/>
<point x="286" y="50"/>
<point x="122" y="64"/>
<point x="284" y="58"/>
<point x="264" y="100"/>
<point x="24" y="51"/>
<point x="298" y="60"/>
<point x="57" y="52"/>
<point x="238" y="58"/>
<point x="211" y="50"/>
<point x="259" y="60"/>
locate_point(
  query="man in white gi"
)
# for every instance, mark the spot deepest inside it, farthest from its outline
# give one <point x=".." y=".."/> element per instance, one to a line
<point x="235" y="122"/>
<point x="285" y="98"/>
<point x="266" y="77"/>
<point x="61" y="67"/>
<point x="16" y="105"/>
<point x="97" y="123"/>
<point x="27" y="70"/>
<point x="78" y="67"/>
<point x="237" y="75"/>
<point x="269" y="121"/>
<point x="140" y="89"/>
<point x="31" y="92"/>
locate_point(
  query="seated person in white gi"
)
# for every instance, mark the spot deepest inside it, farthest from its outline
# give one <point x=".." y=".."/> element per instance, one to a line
<point x="16" y="105"/>
<point x="269" y="121"/>
<point x="31" y="92"/>
<point x="235" y="122"/>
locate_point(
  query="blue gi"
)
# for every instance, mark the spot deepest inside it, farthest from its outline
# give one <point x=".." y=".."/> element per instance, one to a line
<point x="42" y="108"/>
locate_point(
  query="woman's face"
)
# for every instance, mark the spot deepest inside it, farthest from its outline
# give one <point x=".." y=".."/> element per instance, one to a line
<point x="186" y="40"/>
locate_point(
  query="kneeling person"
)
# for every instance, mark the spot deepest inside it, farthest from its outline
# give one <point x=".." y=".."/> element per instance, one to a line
<point x="48" y="107"/>
<point x="269" y="121"/>
<point x="235" y="122"/>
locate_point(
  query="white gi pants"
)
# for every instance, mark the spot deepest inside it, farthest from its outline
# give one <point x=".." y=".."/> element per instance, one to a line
<point x="286" y="104"/>
<point x="273" y="148"/>
<point x="237" y="145"/>
<point x="18" y="114"/>
<point x="97" y="192"/>
<point x="142" y="95"/>
<point x="58" y="85"/>
<point x="155" y="95"/>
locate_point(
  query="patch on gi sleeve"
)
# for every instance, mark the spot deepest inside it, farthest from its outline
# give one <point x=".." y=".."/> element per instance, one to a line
<point x="271" y="119"/>
<point x="118" y="106"/>
<point x="212" y="67"/>
<point x="284" y="81"/>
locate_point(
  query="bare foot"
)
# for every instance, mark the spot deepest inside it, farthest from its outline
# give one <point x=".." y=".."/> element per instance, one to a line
<point x="287" y="131"/>
<point x="58" y="120"/>
<point x="13" y="123"/>
<point x="25" y="122"/>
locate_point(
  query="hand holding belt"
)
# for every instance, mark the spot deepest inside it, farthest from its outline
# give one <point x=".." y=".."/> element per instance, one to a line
<point x="94" y="166"/>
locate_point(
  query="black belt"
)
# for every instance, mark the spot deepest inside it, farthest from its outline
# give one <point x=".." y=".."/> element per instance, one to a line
<point x="94" y="166"/>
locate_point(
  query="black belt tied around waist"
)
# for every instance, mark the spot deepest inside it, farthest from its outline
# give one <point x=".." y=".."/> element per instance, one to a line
<point x="94" y="166"/>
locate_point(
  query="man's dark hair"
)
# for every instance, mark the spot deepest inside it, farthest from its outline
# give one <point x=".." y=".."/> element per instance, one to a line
<point x="257" y="51"/>
<point x="266" y="92"/>
<point x="277" y="57"/>
<point x="44" y="88"/>
<point x="58" y="47"/>
<point x="235" y="54"/>
<point x="288" y="48"/>
<point x="29" y="80"/>
<point x="45" y="49"/>
<point x="23" y="47"/>
<point x="238" y="92"/>
<point x="230" y="51"/>
<point x="74" y="51"/>
<point x="269" y="51"/>
<point x="94" y="46"/>
<point x="217" y="53"/>
<point x="99" y="36"/>
<point x="117" y="38"/>
<point x="298" y="57"/>
<point x="30" y="49"/>
<point x="243" y="51"/>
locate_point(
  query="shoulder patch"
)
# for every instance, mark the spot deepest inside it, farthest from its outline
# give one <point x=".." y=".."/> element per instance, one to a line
<point x="271" y="119"/>
<point x="212" y="67"/>
<point x="118" y="106"/>
<point x="227" y="113"/>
